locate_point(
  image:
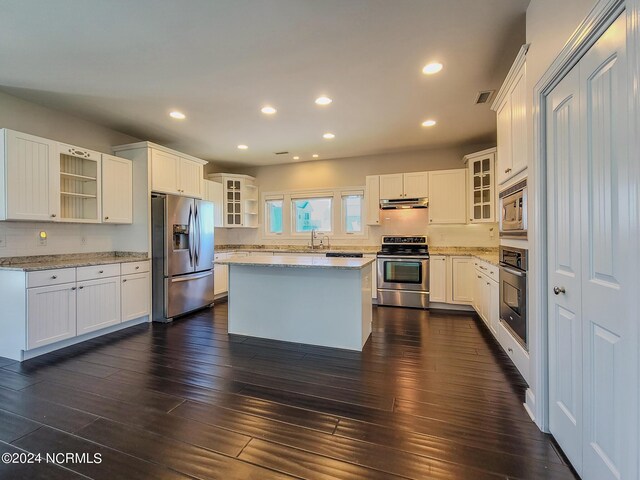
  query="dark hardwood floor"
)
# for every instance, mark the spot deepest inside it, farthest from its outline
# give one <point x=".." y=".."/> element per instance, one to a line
<point x="431" y="397"/>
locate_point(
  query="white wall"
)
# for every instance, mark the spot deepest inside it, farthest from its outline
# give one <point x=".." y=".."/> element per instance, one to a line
<point x="351" y="172"/>
<point x="550" y="23"/>
<point x="18" y="238"/>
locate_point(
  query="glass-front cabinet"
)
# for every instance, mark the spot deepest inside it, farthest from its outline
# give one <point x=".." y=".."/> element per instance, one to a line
<point x="482" y="195"/>
<point x="240" y="200"/>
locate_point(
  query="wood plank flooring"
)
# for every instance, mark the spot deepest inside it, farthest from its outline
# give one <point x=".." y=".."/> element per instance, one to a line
<point x="432" y="396"/>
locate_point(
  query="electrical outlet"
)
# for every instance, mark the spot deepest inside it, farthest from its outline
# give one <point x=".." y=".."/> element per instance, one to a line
<point x="3" y="240"/>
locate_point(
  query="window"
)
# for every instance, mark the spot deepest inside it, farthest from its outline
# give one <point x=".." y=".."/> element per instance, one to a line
<point x="312" y="213"/>
<point x="273" y="215"/>
<point x="352" y="213"/>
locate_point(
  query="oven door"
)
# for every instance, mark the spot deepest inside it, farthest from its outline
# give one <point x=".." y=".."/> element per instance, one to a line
<point x="403" y="273"/>
<point x="513" y="302"/>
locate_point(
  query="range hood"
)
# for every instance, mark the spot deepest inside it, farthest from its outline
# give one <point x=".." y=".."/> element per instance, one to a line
<point x="404" y="203"/>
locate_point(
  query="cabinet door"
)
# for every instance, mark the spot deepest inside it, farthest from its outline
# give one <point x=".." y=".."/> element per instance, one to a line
<point x="482" y="189"/>
<point x="416" y="184"/>
<point x="391" y="186"/>
<point x="98" y="304"/>
<point x="135" y="292"/>
<point x="493" y="306"/>
<point x="165" y="171"/>
<point x="447" y="199"/>
<point x="438" y="278"/>
<point x="117" y="190"/>
<point x="477" y="291"/>
<point x="503" y="118"/>
<point x="518" y="124"/>
<point x="190" y="180"/>
<point x="372" y="198"/>
<point x="32" y="178"/>
<point x="220" y="276"/>
<point x="51" y="314"/>
<point x="462" y="271"/>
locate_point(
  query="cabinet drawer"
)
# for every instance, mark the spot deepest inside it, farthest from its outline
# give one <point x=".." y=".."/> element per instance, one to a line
<point x="98" y="271"/>
<point x="46" y="278"/>
<point x="134" y="267"/>
<point x="518" y="355"/>
<point x="490" y="270"/>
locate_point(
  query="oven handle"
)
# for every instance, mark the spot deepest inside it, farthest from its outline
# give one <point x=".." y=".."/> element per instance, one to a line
<point x="517" y="273"/>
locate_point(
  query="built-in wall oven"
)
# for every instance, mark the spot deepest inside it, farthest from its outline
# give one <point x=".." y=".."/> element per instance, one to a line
<point x="513" y="292"/>
<point x="403" y="272"/>
<point x="513" y="210"/>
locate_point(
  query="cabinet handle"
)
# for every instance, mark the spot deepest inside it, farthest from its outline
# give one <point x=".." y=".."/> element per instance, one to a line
<point x="124" y="280"/>
<point x="488" y="284"/>
<point x="80" y="288"/>
<point x="479" y="277"/>
<point x="53" y="215"/>
<point x="510" y="350"/>
<point x="54" y="277"/>
<point x="137" y="268"/>
<point x="101" y="271"/>
<point x="73" y="288"/>
<point x="106" y="218"/>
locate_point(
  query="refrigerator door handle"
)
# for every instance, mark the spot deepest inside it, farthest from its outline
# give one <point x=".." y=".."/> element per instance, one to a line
<point x="186" y="278"/>
<point x="190" y="237"/>
<point x="196" y="247"/>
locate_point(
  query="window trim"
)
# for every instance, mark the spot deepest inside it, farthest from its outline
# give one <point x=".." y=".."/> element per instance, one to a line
<point x="267" y="217"/>
<point x="343" y="212"/>
<point x="292" y="216"/>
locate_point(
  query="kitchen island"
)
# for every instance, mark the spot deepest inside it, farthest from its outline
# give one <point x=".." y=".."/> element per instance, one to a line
<point x="317" y="301"/>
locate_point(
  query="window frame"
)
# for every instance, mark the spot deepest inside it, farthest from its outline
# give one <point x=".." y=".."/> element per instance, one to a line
<point x="343" y="211"/>
<point x="293" y="218"/>
<point x="267" y="216"/>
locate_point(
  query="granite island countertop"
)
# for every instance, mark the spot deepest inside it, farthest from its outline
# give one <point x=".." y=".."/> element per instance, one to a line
<point x="50" y="262"/>
<point x="293" y="262"/>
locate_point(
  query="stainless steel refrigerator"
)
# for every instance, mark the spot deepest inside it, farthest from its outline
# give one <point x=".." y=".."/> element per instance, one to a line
<point x="182" y="252"/>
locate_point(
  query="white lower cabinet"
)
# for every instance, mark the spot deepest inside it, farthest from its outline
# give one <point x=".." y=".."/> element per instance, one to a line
<point x="98" y="304"/>
<point x="51" y="314"/>
<point x="486" y="295"/>
<point x="451" y="279"/>
<point x="462" y="269"/>
<point x="134" y="296"/>
<point x="220" y="275"/>
<point x="438" y="278"/>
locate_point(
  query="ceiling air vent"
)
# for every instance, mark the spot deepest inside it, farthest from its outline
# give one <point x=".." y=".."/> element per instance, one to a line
<point x="484" y="96"/>
<point x="281" y="153"/>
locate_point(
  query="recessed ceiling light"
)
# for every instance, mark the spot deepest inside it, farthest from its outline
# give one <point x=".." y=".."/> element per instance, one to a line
<point x="328" y="136"/>
<point x="269" y="110"/>
<point x="428" y="123"/>
<point x="242" y="147"/>
<point x="323" y="100"/>
<point x="432" y="68"/>
<point x="296" y="158"/>
<point x="177" y="115"/>
<point x="315" y="155"/>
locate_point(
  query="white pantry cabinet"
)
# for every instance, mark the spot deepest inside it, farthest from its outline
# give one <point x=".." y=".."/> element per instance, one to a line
<point x="448" y="199"/>
<point x="29" y="177"/>
<point x="174" y="174"/>
<point x="372" y="199"/>
<point x="117" y="190"/>
<point x="97" y="304"/>
<point x="51" y="314"/>
<point x="404" y="185"/>
<point x="510" y="106"/>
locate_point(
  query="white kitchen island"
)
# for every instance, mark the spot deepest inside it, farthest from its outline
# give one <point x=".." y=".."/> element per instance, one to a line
<point x="313" y="300"/>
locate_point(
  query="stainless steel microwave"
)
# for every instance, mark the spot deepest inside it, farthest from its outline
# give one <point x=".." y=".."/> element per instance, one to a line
<point x="513" y="210"/>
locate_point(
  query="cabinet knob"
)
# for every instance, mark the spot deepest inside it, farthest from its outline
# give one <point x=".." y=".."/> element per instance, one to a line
<point x="101" y="271"/>
<point x="54" y="277"/>
<point x="80" y="288"/>
<point x="124" y="280"/>
<point x="73" y="288"/>
<point x="53" y="215"/>
<point x="137" y="268"/>
<point x="106" y="218"/>
<point x="510" y="350"/>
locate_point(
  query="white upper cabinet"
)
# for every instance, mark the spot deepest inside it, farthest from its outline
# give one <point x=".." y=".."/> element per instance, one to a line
<point x="117" y="190"/>
<point x="391" y="186"/>
<point x="173" y="174"/>
<point x="214" y="192"/>
<point x="372" y="199"/>
<point x="447" y="199"/>
<point x="80" y="184"/>
<point x="29" y="178"/>
<point x="404" y="185"/>
<point x="416" y="184"/>
<point x="482" y="190"/>
<point x="511" y="116"/>
<point x="240" y="199"/>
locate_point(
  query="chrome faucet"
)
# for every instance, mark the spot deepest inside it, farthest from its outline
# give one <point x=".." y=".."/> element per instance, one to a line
<point x="328" y="244"/>
<point x="314" y="235"/>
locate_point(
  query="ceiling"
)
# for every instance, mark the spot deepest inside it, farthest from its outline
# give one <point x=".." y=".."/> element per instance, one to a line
<point x="127" y="64"/>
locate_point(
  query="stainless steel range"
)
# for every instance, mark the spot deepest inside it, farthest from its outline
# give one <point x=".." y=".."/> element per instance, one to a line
<point x="403" y="272"/>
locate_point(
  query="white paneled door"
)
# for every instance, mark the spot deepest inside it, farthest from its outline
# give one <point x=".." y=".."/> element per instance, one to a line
<point x="593" y="327"/>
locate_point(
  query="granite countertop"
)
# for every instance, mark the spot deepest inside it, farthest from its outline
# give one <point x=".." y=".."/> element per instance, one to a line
<point x="486" y="254"/>
<point x="50" y="262"/>
<point x="293" y="262"/>
<point x="297" y="249"/>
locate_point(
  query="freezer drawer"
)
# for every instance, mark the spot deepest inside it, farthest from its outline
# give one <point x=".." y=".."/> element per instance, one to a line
<point x="188" y="292"/>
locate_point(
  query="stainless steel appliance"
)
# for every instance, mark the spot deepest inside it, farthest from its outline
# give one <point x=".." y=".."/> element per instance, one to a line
<point x="182" y="252"/>
<point x="513" y="210"/>
<point x="403" y="272"/>
<point x="513" y="291"/>
<point x="422" y="202"/>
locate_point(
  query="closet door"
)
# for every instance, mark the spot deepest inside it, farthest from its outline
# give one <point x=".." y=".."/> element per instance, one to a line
<point x="609" y="286"/>
<point x="563" y="231"/>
